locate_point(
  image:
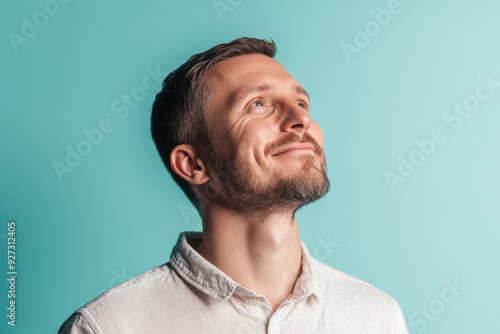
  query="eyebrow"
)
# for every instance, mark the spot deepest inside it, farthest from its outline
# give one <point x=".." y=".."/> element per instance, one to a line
<point x="300" y="90"/>
<point x="240" y="96"/>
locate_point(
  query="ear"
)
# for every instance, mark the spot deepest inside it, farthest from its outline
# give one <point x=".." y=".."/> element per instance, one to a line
<point x="187" y="163"/>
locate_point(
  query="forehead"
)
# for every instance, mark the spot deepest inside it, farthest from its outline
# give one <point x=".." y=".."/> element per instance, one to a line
<point x="239" y="73"/>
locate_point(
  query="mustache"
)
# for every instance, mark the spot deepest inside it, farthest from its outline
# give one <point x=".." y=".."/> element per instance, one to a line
<point x="291" y="139"/>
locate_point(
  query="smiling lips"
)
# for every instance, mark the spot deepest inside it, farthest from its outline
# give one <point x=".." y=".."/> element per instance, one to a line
<point x="296" y="147"/>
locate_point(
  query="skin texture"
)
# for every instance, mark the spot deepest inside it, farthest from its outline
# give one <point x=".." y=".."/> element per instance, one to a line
<point x="260" y="126"/>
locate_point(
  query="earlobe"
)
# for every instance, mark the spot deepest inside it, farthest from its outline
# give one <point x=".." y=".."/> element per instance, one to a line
<point x="187" y="163"/>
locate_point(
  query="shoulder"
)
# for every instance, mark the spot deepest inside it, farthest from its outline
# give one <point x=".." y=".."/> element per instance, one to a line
<point x="140" y="285"/>
<point x="357" y="301"/>
<point x="122" y="300"/>
<point x="337" y="285"/>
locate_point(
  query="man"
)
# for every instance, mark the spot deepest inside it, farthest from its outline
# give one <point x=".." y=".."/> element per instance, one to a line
<point x="233" y="128"/>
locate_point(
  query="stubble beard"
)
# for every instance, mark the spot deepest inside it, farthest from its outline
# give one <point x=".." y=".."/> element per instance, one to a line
<point x="279" y="193"/>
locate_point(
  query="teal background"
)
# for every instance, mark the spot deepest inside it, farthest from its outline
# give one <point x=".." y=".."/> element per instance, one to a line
<point x="118" y="213"/>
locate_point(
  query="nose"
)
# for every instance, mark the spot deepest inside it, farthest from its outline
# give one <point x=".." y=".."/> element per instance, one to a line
<point x="295" y="119"/>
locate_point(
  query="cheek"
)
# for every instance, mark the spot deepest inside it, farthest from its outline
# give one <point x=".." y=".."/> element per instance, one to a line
<point x="256" y="138"/>
<point x="263" y="135"/>
<point x="316" y="133"/>
<point x="249" y="124"/>
<point x="250" y="133"/>
<point x="251" y="142"/>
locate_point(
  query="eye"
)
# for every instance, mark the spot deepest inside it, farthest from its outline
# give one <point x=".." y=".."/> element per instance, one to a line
<point x="260" y="106"/>
<point x="258" y="103"/>
<point x="303" y="104"/>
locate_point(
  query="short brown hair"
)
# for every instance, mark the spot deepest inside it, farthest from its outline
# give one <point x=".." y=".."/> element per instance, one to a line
<point x="178" y="110"/>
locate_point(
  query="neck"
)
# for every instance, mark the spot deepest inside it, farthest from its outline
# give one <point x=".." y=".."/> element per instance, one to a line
<point x="260" y="252"/>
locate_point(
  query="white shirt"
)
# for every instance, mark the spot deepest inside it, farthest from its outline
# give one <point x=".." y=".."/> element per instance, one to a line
<point x="190" y="295"/>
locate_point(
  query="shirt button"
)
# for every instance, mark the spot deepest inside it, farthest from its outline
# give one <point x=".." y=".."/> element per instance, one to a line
<point x="303" y="290"/>
<point x="275" y="320"/>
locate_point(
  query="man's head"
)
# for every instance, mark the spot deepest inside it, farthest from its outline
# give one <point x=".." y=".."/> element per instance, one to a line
<point x="232" y="124"/>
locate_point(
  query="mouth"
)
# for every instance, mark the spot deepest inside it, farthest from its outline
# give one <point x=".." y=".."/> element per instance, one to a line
<point x="295" y="148"/>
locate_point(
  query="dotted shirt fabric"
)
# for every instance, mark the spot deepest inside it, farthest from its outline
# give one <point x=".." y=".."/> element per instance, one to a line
<point x="190" y="295"/>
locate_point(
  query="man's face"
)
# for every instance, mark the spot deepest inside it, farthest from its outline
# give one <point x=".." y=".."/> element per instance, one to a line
<point x="265" y="149"/>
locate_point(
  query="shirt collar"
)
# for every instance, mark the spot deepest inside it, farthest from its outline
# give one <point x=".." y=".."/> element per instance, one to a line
<point x="208" y="278"/>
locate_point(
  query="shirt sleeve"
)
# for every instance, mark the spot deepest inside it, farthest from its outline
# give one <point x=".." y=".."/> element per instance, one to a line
<point x="76" y="324"/>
